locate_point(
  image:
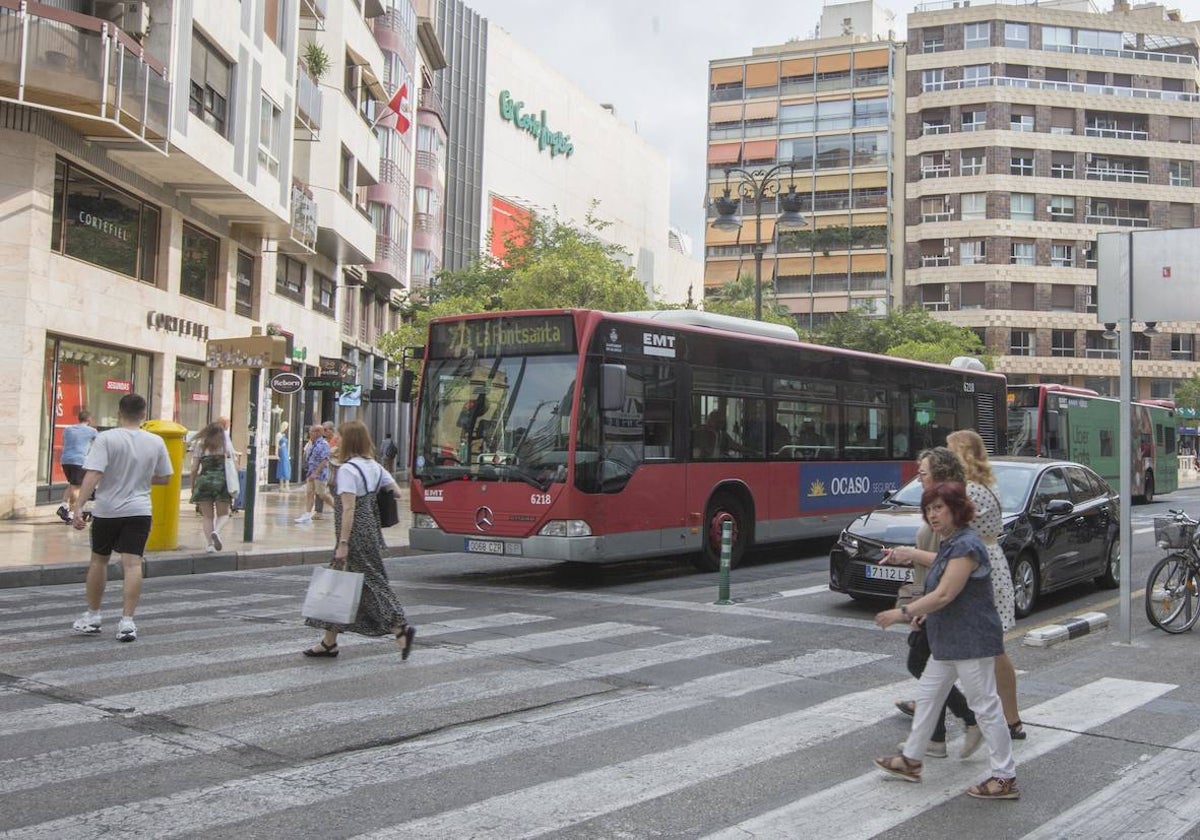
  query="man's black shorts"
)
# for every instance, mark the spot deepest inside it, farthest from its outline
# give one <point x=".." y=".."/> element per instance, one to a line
<point x="74" y="474"/>
<point x="123" y="534"/>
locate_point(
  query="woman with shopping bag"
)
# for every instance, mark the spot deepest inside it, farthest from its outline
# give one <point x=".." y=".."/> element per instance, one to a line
<point x="211" y="492"/>
<point x="360" y="548"/>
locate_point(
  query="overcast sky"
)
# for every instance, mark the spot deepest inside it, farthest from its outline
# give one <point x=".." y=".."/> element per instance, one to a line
<point x="649" y="58"/>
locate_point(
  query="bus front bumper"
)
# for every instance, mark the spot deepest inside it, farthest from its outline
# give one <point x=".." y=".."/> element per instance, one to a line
<point x="606" y="549"/>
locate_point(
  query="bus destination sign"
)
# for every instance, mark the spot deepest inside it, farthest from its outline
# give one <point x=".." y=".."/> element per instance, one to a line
<point x="527" y="335"/>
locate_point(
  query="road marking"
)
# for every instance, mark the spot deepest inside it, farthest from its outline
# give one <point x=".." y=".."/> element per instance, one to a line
<point x="48" y="716"/>
<point x="871" y="803"/>
<point x="250" y="798"/>
<point x="807" y="590"/>
<point x="1159" y="799"/>
<point x="63" y="623"/>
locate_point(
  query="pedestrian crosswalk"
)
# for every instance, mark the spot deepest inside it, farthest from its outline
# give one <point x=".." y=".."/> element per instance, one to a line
<point x="530" y="714"/>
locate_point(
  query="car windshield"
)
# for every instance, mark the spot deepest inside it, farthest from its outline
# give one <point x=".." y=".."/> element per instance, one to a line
<point x="504" y="418"/>
<point x="1013" y="482"/>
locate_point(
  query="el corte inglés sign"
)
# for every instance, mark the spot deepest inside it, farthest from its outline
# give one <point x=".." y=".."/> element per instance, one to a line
<point x="535" y="126"/>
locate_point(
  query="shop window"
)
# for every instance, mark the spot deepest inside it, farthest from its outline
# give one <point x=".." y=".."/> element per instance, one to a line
<point x="193" y="395"/>
<point x="289" y="278"/>
<point x="103" y="225"/>
<point x="198" y="269"/>
<point x="209" y="88"/>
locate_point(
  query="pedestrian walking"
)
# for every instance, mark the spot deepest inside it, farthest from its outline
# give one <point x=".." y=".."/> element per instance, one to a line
<point x="360" y="548"/>
<point x="209" y="489"/>
<point x="389" y="453"/>
<point x="988" y="522"/>
<point x="965" y="635"/>
<point x="76" y="440"/>
<point x="316" y="474"/>
<point x="121" y="465"/>
<point x="933" y="467"/>
<point x="283" y="463"/>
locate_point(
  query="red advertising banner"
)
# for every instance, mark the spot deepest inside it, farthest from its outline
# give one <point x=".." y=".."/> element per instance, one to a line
<point x="508" y="226"/>
<point x="70" y="395"/>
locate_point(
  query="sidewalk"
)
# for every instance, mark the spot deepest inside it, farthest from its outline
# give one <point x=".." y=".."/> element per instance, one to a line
<point x="43" y="550"/>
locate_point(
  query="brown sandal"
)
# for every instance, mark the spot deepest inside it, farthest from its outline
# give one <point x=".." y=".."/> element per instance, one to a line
<point x="900" y="766"/>
<point x="995" y="788"/>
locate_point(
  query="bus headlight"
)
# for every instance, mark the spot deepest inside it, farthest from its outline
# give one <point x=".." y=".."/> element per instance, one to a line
<point x="566" y="528"/>
<point x="423" y="520"/>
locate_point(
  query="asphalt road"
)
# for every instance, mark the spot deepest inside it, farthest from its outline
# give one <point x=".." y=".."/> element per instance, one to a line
<point x="545" y="700"/>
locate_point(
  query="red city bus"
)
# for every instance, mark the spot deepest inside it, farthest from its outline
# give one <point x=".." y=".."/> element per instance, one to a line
<point x="592" y="437"/>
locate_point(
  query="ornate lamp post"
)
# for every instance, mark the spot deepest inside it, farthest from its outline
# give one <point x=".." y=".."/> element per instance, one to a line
<point x="756" y="185"/>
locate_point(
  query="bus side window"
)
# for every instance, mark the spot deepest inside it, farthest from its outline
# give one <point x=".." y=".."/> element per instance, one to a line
<point x="659" y="424"/>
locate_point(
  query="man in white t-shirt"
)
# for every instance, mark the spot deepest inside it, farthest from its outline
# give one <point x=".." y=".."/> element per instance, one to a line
<point x="121" y="465"/>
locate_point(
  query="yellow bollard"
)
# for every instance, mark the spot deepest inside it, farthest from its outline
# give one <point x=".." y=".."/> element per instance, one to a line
<point x="164" y="498"/>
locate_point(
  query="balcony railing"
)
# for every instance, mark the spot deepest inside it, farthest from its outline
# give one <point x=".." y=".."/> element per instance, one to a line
<point x="936" y="305"/>
<point x="82" y="67"/>
<point x="1128" y="176"/>
<point x="1118" y="221"/>
<point x="938" y="170"/>
<point x="1137" y="55"/>
<point x="935" y="128"/>
<point x="937" y="217"/>
<point x="304" y="217"/>
<point x="430" y="101"/>
<point x="1066" y="87"/>
<point x="932" y="260"/>
<point x="308" y="102"/>
<point x="312" y="14"/>
<point x="1116" y="133"/>
<point x="389" y="258"/>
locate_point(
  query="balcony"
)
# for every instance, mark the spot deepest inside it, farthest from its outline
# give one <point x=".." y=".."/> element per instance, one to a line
<point x="1118" y="221"/>
<point x="312" y="14"/>
<point x="430" y="101"/>
<point x="87" y="71"/>
<point x="934" y="261"/>
<point x="934" y="128"/>
<point x="1116" y="133"/>
<point x="389" y="260"/>
<point x="304" y="218"/>
<point x="308" y="104"/>
<point x="938" y="170"/>
<point x="936" y="305"/>
<point x="937" y="217"/>
<point x="1110" y="173"/>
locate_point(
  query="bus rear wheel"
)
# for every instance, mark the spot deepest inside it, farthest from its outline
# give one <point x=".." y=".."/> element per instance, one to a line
<point x="722" y="508"/>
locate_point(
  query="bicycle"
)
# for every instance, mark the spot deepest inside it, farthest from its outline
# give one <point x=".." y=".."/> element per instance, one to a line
<point x="1173" y="588"/>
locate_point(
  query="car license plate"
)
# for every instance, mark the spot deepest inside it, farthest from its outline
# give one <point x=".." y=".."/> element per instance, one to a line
<point x="900" y="574"/>
<point x="493" y="547"/>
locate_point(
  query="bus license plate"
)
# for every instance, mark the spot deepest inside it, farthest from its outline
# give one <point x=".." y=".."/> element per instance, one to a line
<point x="492" y="547"/>
<point x="902" y="574"/>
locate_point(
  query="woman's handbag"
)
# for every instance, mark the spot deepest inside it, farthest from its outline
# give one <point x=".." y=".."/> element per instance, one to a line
<point x="232" y="483"/>
<point x="333" y="595"/>
<point x="389" y="515"/>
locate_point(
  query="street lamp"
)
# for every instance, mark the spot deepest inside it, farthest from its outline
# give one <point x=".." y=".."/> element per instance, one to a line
<point x="756" y="185"/>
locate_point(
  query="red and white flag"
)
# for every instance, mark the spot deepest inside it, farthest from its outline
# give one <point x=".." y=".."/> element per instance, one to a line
<point x="398" y="105"/>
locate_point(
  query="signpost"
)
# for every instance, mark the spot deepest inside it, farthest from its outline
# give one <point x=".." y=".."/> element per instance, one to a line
<point x="251" y="353"/>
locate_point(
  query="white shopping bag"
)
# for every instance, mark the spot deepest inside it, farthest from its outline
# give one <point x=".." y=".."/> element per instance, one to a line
<point x="333" y="595"/>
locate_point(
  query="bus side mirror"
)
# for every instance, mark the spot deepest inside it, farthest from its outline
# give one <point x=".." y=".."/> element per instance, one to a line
<point x="612" y="387"/>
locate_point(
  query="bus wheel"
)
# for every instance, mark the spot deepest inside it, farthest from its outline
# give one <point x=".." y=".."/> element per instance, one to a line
<point x="1148" y="494"/>
<point x="721" y="509"/>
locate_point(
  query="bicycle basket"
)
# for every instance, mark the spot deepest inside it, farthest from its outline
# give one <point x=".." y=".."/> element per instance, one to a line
<point x="1172" y="534"/>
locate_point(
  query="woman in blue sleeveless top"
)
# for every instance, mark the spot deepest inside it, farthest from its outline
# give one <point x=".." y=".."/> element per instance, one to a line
<point x="965" y="634"/>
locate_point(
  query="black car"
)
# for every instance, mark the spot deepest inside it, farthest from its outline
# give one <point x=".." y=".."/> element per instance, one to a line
<point x="1061" y="523"/>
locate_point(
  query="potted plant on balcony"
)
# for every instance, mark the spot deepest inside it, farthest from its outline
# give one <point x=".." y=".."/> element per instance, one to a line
<point x="316" y="59"/>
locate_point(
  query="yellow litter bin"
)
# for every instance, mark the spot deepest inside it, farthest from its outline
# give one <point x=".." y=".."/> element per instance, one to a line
<point x="164" y="498"/>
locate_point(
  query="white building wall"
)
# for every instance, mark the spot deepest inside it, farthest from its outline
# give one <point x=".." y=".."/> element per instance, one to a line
<point x="610" y="162"/>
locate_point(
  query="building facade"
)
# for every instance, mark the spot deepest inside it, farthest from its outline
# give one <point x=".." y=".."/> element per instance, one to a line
<point x="821" y="114"/>
<point x="525" y="140"/>
<point x="173" y="177"/>
<point x="1031" y="129"/>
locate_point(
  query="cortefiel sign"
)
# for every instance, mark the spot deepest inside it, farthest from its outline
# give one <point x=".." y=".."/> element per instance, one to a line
<point x="535" y="126"/>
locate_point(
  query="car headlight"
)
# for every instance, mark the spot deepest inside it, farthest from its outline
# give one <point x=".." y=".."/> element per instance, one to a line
<point x="566" y="528"/>
<point x="849" y="542"/>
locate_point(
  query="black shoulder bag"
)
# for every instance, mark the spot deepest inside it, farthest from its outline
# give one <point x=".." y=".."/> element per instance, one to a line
<point x="385" y="499"/>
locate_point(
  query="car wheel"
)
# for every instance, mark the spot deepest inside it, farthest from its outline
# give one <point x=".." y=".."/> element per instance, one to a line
<point x="1148" y="495"/>
<point x="1025" y="585"/>
<point x="721" y="509"/>
<point x="1110" y="578"/>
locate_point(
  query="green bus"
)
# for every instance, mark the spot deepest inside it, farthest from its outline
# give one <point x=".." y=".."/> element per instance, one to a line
<point x="1060" y="421"/>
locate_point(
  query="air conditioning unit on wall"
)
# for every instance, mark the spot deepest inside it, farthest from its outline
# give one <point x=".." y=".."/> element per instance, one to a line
<point x="131" y="16"/>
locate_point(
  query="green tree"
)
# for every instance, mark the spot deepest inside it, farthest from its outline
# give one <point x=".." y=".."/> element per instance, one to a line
<point x="905" y="333"/>
<point x="1187" y="393"/>
<point x="736" y="298"/>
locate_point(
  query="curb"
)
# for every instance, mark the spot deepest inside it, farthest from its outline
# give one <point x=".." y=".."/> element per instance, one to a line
<point x="188" y="564"/>
<point x="1072" y="628"/>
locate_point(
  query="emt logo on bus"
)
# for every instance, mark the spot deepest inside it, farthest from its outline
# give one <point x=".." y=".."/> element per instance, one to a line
<point x="658" y="344"/>
<point x="839" y="486"/>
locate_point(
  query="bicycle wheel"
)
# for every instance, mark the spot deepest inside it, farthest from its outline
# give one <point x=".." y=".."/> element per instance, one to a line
<point x="1173" y="594"/>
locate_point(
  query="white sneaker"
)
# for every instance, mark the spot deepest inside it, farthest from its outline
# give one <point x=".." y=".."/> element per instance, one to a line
<point x="88" y="623"/>
<point x="972" y="738"/>
<point x="126" y="630"/>
<point x="210" y="549"/>
<point x="216" y="541"/>
<point x="303" y="519"/>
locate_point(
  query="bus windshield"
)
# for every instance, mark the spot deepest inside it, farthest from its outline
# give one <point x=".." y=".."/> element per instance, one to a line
<point x="505" y="418"/>
<point x="1022" y="431"/>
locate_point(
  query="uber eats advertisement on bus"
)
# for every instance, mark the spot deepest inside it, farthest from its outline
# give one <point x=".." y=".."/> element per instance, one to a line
<point x="526" y="335"/>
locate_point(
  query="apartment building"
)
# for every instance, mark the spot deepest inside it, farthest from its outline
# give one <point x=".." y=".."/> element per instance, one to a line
<point x="174" y="173"/>
<point x="817" y="115"/>
<point x="1030" y="129"/>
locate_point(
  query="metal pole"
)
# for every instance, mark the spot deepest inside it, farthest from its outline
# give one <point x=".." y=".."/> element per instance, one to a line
<point x="758" y="250"/>
<point x="726" y="551"/>
<point x="249" y="491"/>
<point x="1125" y="424"/>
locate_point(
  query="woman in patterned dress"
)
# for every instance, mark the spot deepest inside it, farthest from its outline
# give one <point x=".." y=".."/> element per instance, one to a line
<point x="360" y="547"/>
<point x="209" y="491"/>
<point x="969" y="448"/>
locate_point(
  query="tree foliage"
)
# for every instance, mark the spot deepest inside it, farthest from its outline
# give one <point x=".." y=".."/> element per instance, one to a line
<point x="736" y="298"/>
<point x="1187" y="393"/>
<point x="905" y="333"/>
